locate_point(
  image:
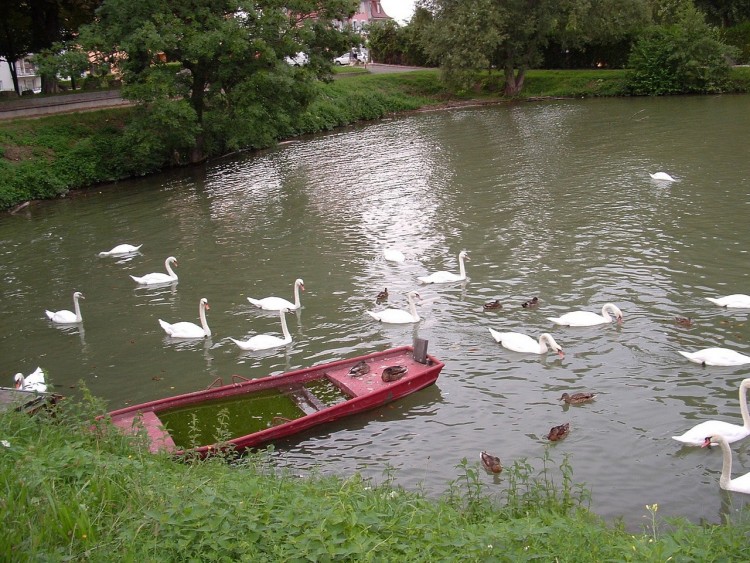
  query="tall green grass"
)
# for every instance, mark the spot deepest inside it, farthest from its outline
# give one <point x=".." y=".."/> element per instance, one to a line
<point x="77" y="490"/>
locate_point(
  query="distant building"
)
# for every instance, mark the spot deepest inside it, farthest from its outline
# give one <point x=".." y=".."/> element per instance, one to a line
<point x="28" y="77"/>
<point x="370" y="11"/>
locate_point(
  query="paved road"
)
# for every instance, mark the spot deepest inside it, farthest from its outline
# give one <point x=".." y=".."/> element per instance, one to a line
<point x="85" y="101"/>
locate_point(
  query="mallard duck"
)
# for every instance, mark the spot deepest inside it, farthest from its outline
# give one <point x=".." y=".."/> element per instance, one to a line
<point x="577" y="398"/>
<point x="684" y="321"/>
<point x="559" y="432"/>
<point x="359" y="369"/>
<point x="491" y="463"/>
<point x="382" y="296"/>
<point x="493" y="305"/>
<point x="533" y="302"/>
<point x="393" y="373"/>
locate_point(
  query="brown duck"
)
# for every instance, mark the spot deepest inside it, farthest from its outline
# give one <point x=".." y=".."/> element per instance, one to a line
<point x="558" y="432"/>
<point x="490" y="305"/>
<point x="684" y="321"/>
<point x="577" y="398"/>
<point x="359" y="369"/>
<point x="491" y="463"/>
<point x="382" y="296"/>
<point x="393" y="373"/>
<point x="533" y="302"/>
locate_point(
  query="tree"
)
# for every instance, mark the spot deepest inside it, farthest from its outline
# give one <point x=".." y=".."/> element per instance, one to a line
<point x="15" y="37"/>
<point x="684" y="57"/>
<point x="62" y="60"/>
<point x="471" y="35"/>
<point x="209" y="75"/>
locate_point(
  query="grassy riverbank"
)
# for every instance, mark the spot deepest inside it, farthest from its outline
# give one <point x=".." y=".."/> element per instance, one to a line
<point x="72" y="492"/>
<point x="46" y="157"/>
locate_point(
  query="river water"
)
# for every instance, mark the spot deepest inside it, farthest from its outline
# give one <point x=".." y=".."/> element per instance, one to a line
<point x="550" y="199"/>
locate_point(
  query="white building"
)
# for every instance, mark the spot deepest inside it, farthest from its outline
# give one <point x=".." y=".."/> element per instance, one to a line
<point x="28" y="78"/>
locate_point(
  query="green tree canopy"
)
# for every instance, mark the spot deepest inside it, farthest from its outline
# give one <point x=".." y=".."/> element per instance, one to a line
<point x="210" y="75"/>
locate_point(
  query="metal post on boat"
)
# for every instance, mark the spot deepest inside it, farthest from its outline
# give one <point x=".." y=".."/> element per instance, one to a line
<point x="420" y="350"/>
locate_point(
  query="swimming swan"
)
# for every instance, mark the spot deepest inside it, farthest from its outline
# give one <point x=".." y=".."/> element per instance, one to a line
<point x="121" y="249"/>
<point x="266" y="341"/>
<point x="662" y="176"/>
<point x="66" y="317"/>
<point x="393" y="255"/>
<point x="447" y="277"/>
<point x="738" y="485"/>
<point x="732" y="432"/>
<point x="717" y="357"/>
<point x="399" y="316"/>
<point x="157" y="277"/>
<point x="737" y="301"/>
<point x="525" y="344"/>
<point x="586" y="318"/>
<point x="277" y="303"/>
<point x="32" y="382"/>
<point x="185" y="329"/>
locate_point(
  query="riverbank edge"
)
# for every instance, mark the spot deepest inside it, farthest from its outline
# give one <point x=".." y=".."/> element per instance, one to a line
<point x="77" y="488"/>
<point x="57" y="156"/>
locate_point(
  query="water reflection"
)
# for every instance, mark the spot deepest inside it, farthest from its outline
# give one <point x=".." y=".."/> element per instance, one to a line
<point x="552" y="200"/>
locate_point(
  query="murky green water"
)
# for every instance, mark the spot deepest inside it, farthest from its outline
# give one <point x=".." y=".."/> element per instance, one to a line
<point x="550" y="199"/>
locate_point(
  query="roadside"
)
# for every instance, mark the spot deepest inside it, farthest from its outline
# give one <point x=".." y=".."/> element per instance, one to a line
<point x="88" y="101"/>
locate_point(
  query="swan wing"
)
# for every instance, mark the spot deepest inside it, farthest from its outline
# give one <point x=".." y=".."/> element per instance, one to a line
<point x="717" y="357"/>
<point x="155" y="278"/>
<point x="441" y="277"/>
<point x="740" y="484"/>
<point x="261" y="342"/>
<point x="517" y="342"/>
<point x="579" y="318"/>
<point x="272" y="303"/>
<point x="393" y="255"/>
<point x="697" y="434"/>
<point x="738" y="300"/>
<point x="393" y="316"/>
<point x="62" y="317"/>
<point x="662" y="176"/>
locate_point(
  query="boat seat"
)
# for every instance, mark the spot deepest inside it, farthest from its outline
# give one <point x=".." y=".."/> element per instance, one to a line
<point x="306" y="400"/>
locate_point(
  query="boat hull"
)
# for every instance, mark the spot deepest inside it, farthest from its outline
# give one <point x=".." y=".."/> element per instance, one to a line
<point x="354" y="394"/>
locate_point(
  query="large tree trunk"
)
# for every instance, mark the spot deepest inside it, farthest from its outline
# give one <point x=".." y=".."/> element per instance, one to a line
<point x="514" y="80"/>
<point x="197" y="100"/>
<point x="14" y="76"/>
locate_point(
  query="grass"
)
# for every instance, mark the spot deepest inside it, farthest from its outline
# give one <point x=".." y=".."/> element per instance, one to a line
<point x="78" y="490"/>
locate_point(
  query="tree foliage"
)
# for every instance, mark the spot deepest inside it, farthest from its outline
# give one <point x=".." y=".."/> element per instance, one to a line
<point x="210" y="74"/>
<point x="684" y="57"/>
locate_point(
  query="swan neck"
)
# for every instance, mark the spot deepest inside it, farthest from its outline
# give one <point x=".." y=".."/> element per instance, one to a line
<point x="743" y="403"/>
<point x="202" y="315"/>
<point x="284" y="328"/>
<point x="543" y="343"/>
<point x="461" y="267"/>
<point x="296" y="295"/>
<point x="726" y="464"/>
<point x="413" y="308"/>
<point x="168" y="265"/>
<point x="77" y="308"/>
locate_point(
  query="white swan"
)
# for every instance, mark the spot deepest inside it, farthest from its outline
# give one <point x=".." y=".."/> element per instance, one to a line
<point x="266" y="341"/>
<point x="447" y="277"/>
<point x="67" y="317"/>
<point x="732" y="432"/>
<point x="738" y="485"/>
<point x="121" y="249"/>
<point x="662" y="176"/>
<point x="716" y="357"/>
<point x="523" y="343"/>
<point x="157" y="277"/>
<point x="738" y="301"/>
<point x="32" y="382"/>
<point x="586" y="318"/>
<point x="185" y="329"/>
<point x="277" y="303"/>
<point x="393" y="255"/>
<point x="399" y="316"/>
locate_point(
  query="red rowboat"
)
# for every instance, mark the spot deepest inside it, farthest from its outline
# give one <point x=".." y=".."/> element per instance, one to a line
<point x="249" y="413"/>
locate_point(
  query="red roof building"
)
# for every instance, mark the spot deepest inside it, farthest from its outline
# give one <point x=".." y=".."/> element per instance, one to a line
<point x="370" y="11"/>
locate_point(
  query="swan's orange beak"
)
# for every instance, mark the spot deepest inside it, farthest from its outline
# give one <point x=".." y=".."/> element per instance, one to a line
<point x="707" y="442"/>
<point x="561" y="353"/>
<point x="619" y="320"/>
<point x="207" y="307"/>
<point x="302" y="287"/>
